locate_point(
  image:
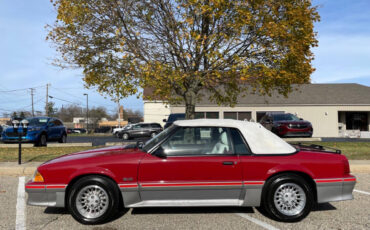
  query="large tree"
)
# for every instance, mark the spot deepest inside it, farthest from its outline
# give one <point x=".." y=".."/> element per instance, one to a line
<point x="184" y="50"/>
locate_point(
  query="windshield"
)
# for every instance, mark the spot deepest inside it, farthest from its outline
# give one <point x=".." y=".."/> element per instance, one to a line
<point x="285" y="117"/>
<point x="155" y="140"/>
<point x="37" y="121"/>
<point x="176" y="116"/>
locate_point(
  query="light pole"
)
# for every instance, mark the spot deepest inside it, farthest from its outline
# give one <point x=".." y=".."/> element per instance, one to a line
<point x="87" y="112"/>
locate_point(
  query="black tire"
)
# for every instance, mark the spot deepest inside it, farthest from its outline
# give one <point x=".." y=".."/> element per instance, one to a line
<point x="278" y="183"/>
<point x="125" y="136"/>
<point x="63" y="139"/>
<point x="42" y="140"/>
<point x="103" y="183"/>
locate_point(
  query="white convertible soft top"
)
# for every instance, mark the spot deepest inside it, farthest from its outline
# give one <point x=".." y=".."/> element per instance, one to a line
<point x="260" y="140"/>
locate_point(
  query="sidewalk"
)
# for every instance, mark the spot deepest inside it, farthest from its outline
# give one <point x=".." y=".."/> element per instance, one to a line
<point x="27" y="169"/>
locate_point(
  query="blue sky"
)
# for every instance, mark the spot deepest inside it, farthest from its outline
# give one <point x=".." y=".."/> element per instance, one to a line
<point x="343" y="54"/>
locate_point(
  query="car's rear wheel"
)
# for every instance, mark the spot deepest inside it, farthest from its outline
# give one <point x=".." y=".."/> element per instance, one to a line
<point x="125" y="136"/>
<point x="63" y="139"/>
<point x="287" y="198"/>
<point x="93" y="200"/>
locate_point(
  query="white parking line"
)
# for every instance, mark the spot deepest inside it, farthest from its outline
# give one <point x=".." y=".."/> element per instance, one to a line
<point x="20" y="219"/>
<point x="363" y="192"/>
<point x="258" y="222"/>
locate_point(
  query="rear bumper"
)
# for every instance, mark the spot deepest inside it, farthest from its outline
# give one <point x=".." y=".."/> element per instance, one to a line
<point x="329" y="190"/>
<point x="46" y="195"/>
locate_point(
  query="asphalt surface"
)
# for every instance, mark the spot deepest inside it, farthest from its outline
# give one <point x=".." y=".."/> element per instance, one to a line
<point x="353" y="214"/>
<point x="100" y="140"/>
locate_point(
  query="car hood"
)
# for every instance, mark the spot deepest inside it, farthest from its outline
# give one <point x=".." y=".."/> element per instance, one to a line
<point x="95" y="154"/>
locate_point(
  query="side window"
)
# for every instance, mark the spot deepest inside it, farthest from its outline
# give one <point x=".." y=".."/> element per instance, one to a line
<point x="145" y="126"/>
<point x="239" y="144"/>
<point x="58" y="123"/>
<point x="51" y="123"/>
<point x="156" y="125"/>
<point x="198" y="141"/>
<point x="136" y="127"/>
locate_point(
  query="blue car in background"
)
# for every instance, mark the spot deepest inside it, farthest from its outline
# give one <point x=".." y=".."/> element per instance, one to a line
<point x="40" y="130"/>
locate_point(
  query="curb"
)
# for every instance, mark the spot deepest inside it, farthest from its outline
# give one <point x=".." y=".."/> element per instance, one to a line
<point x="87" y="144"/>
<point x="308" y="139"/>
<point x="118" y="143"/>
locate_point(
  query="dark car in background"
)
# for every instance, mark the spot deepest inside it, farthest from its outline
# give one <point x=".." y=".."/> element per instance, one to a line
<point x="287" y="125"/>
<point x="40" y="130"/>
<point x="140" y="130"/>
<point x="172" y="118"/>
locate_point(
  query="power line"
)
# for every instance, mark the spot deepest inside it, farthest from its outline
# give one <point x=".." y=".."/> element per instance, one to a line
<point x="14" y="90"/>
<point x="52" y="97"/>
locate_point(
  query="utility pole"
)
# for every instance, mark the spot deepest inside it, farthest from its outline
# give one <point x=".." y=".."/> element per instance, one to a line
<point x="33" y="111"/>
<point x="47" y="103"/>
<point x="119" y="114"/>
<point x="87" y="111"/>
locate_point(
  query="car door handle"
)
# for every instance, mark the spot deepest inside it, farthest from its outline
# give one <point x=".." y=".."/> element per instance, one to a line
<point x="227" y="163"/>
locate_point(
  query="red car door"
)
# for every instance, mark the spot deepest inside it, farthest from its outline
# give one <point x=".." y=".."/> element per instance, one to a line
<point x="196" y="165"/>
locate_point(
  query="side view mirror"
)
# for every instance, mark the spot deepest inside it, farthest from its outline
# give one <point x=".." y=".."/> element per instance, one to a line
<point x="160" y="153"/>
<point x="301" y="119"/>
<point x="164" y="120"/>
<point x="139" y="144"/>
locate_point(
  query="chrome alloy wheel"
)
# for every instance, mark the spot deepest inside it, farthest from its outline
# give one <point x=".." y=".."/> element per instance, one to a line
<point x="289" y="199"/>
<point x="92" y="201"/>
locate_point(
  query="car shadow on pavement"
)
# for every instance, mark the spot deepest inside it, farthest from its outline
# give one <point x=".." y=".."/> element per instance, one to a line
<point x="62" y="211"/>
<point x="54" y="210"/>
<point x="191" y="210"/>
<point x="323" y="207"/>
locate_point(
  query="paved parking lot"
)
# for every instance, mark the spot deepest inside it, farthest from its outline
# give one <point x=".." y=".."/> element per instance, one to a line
<point x="353" y="214"/>
<point x="100" y="140"/>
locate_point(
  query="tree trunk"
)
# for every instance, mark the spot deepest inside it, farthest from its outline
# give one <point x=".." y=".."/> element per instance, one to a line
<point x="190" y="99"/>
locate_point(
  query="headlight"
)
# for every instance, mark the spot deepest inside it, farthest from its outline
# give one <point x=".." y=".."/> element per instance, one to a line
<point x="37" y="177"/>
<point x="34" y="129"/>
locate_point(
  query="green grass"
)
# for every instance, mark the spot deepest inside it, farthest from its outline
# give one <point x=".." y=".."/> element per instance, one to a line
<point x="40" y="154"/>
<point x="352" y="150"/>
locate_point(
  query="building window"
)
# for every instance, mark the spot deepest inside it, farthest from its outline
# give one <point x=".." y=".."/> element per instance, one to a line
<point x="357" y="121"/>
<point x="231" y="115"/>
<point x="199" y="115"/>
<point x="238" y="115"/>
<point x="208" y="115"/>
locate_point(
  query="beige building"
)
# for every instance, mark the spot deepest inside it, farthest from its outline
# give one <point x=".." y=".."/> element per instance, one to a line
<point x="335" y="110"/>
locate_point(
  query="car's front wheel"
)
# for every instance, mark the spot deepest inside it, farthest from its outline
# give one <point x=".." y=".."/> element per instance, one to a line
<point x="125" y="136"/>
<point x="93" y="200"/>
<point x="287" y="198"/>
<point x="42" y="141"/>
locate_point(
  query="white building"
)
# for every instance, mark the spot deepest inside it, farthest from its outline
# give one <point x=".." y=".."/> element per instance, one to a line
<point x="333" y="109"/>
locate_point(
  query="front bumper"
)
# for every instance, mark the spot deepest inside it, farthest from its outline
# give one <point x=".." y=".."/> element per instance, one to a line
<point x="31" y="137"/>
<point x="285" y="131"/>
<point x="329" y="190"/>
<point x="50" y="195"/>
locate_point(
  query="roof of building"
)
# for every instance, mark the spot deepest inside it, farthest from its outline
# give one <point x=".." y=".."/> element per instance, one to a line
<point x="259" y="139"/>
<point x="306" y="94"/>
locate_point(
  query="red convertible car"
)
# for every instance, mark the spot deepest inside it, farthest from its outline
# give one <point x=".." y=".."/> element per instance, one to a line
<point x="195" y="163"/>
